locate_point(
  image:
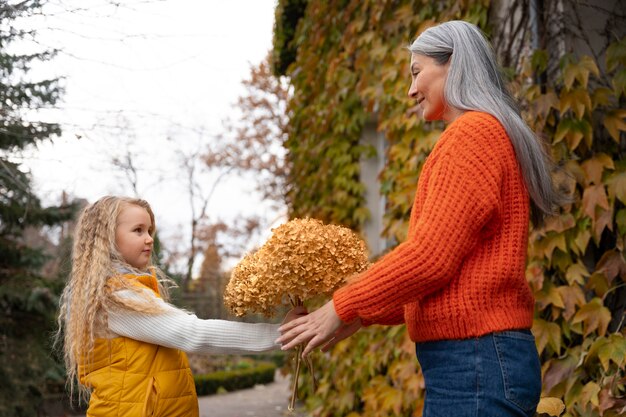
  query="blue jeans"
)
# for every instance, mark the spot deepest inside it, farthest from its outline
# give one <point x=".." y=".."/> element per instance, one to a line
<point x="496" y="375"/>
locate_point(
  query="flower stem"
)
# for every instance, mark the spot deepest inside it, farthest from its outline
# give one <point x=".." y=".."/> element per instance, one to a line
<point x="294" y="391"/>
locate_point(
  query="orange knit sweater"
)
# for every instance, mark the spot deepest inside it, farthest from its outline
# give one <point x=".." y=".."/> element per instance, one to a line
<point x="460" y="273"/>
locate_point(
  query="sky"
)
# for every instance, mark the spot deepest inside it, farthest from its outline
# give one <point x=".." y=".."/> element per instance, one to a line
<point x="155" y="78"/>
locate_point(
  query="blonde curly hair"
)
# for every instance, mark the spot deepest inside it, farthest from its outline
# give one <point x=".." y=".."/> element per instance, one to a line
<point x="90" y="293"/>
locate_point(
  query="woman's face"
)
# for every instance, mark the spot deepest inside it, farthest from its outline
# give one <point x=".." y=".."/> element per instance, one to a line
<point x="428" y="79"/>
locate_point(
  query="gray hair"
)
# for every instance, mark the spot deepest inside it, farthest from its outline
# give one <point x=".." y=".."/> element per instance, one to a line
<point x="475" y="83"/>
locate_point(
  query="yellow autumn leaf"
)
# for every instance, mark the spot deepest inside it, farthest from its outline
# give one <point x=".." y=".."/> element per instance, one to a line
<point x="549" y="295"/>
<point x="603" y="220"/>
<point x="581" y="241"/>
<point x="594" y="316"/>
<point x="580" y="71"/>
<point x="599" y="283"/>
<point x="601" y="97"/>
<point x="589" y="394"/>
<point x="555" y="241"/>
<point x="576" y="273"/>
<point x="572" y="297"/>
<point x="560" y="223"/>
<point x="573" y="131"/>
<point x="595" y="166"/>
<point x="574" y="169"/>
<point x="577" y="99"/>
<point x="546" y="333"/>
<point x="593" y="196"/>
<point x="404" y="13"/>
<point x="551" y="406"/>
<point x="425" y="25"/>
<point x="545" y="102"/>
<point x="616" y="185"/>
<point x="614" y="123"/>
<point x="391" y="399"/>
<point x="614" y="350"/>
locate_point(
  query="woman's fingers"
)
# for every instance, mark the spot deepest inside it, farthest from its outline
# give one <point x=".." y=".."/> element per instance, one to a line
<point x="286" y="339"/>
<point x="292" y="329"/>
<point x="313" y="343"/>
<point x="314" y="329"/>
<point x="343" y="332"/>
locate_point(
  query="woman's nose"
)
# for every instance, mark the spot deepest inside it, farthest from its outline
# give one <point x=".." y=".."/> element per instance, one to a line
<point x="412" y="90"/>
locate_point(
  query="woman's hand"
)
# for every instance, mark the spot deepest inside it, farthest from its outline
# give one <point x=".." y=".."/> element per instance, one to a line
<point x="344" y="331"/>
<point x="322" y="326"/>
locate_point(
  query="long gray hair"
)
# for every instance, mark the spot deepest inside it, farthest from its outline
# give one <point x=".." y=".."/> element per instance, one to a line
<point x="475" y="83"/>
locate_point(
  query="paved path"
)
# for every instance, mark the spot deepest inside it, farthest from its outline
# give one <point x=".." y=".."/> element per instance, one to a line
<point x="269" y="400"/>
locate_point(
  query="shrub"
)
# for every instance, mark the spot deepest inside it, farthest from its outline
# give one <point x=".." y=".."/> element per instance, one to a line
<point x="262" y="373"/>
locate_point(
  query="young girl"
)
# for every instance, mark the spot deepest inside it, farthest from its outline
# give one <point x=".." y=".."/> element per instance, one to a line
<point x="122" y="340"/>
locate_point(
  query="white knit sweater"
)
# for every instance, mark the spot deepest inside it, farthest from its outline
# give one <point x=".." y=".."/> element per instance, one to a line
<point x="178" y="329"/>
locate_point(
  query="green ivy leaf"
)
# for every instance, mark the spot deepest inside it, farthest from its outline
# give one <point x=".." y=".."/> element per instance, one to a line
<point x="580" y="71"/>
<point x="620" y="219"/>
<point x="601" y="96"/>
<point x="577" y="99"/>
<point x="619" y="83"/>
<point x="608" y="349"/>
<point x="616" y="185"/>
<point x="616" y="54"/>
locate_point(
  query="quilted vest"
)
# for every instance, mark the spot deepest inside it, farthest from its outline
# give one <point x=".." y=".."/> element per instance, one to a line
<point x="132" y="378"/>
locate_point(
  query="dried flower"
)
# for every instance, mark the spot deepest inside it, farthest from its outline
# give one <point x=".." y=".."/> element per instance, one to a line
<point x="302" y="259"/>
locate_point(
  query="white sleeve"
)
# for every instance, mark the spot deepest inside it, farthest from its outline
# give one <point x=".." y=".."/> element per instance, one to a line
<point x="177" y="329"/>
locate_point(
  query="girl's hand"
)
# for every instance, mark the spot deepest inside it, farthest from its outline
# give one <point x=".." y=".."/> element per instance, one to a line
<point x="317" y="328"/>
<point x="294" y="313"/>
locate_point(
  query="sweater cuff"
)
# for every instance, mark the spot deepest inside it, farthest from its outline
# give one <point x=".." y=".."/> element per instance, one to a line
<point x="341" y="301"/>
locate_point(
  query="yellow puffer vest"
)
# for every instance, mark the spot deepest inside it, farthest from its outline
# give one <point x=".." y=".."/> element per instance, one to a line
<point x="133" y="378"/>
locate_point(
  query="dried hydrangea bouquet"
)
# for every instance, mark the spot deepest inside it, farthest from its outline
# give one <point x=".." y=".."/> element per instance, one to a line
<point x="304" y="258"/>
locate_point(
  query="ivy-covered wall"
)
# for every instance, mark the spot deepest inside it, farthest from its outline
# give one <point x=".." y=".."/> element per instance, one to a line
<point x="351" y="64"/>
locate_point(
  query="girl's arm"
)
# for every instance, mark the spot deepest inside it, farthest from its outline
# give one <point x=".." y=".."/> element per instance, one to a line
<point x="177" y="329"/>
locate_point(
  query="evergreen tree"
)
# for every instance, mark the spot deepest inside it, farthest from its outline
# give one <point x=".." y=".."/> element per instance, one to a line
<point x="28" y="301"/>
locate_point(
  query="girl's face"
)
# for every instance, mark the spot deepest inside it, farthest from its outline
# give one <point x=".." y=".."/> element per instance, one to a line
<point x="428" y="79"/>
<point x="132" y="235"/>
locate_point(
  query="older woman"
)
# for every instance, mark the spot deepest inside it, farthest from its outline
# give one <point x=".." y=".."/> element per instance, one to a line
<point x="458" y="281"/>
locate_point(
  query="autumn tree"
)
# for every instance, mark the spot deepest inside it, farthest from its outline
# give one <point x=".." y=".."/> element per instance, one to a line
<point x="253" y="142"/>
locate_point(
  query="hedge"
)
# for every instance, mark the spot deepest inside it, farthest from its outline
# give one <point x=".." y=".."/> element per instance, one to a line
<point x="207" y="384"/>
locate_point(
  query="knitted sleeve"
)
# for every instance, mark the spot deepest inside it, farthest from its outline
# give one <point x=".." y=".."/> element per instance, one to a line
<point x="392" y="316"/>
<point x="177" y="329"/>
<point x="461" y="194"/>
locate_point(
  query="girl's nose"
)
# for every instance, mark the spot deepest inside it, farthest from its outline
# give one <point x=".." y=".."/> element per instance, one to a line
<point x="149" y="239"/>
